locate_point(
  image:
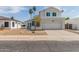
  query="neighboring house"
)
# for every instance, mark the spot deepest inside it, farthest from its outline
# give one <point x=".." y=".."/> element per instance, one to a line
<point x="28" y="24"/>
<point x="50" y="19"/>
<point x="9" y="23"/>
<point x="73" y="23"/>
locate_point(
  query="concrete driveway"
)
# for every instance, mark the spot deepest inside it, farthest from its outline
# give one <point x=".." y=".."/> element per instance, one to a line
<point x="61" y="35"/>
<point x="55" y="41"/>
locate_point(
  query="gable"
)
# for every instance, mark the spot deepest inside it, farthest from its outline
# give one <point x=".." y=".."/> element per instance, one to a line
<point x="52" y="9"/>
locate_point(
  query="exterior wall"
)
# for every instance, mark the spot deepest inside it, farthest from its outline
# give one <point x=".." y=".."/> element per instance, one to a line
<point x="50" y="22"/>
<point x="51" y="10"/>
<point x="26" y="23"/>
<point x="77" y="26"/>
<point x="10" y="24"/>
<point x="53" y="23"/>
<point x="17" y="25"/>
<point x="2" y="23"/>
<point x="75" y="23"/>
<point x="74" y="26"/>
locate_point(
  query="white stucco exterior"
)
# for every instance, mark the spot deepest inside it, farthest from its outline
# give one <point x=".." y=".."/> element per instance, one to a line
<point x="52" y="22"/>
<point x="17" y="24"/>
<point x="74" y="22"/>
<point x="51" y="10"/>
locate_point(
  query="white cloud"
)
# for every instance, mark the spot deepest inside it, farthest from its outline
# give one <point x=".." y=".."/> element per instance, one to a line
<point x="75" y="16"/>
<point x="11" y="9"/>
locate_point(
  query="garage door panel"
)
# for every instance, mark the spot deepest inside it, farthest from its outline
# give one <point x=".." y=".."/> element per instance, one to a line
<point x="52" y="26"/>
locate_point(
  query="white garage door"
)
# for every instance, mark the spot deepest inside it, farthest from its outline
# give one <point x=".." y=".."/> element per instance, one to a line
<point x="52" y="26"/>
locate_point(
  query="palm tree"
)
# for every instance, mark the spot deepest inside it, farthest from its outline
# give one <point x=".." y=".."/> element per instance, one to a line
<point x="30" y="12"/>
<point x="34" y="9"/>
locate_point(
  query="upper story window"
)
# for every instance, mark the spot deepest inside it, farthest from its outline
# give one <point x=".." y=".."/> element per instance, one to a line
<point x="48" y="14"/>
<point x="54" y="14"/>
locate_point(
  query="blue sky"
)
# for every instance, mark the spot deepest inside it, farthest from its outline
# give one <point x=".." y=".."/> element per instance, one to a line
<point x="21" y="12"/>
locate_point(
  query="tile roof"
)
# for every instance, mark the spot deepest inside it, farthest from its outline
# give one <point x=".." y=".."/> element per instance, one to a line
<point x="7" y="18"/>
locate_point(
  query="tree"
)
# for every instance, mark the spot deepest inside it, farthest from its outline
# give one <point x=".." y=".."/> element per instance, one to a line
<point x="67" y="18"/>
<point x="30" y="12"/>
<point x="34" y="8"/>
<point x="37" y="20"/>
<point x="12" y="17"/>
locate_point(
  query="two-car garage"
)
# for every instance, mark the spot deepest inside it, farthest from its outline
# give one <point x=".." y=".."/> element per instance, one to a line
<point x="53" y="24"/>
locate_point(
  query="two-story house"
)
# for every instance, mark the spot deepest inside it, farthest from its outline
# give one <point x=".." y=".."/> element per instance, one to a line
<point x="51" y="19"/>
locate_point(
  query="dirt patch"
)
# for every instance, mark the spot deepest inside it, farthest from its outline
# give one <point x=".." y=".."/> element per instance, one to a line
<point x="21" y="32"/>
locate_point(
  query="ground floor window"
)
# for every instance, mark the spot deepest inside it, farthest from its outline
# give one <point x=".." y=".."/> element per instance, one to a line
<point x="33" y="23"/>
<point x="6" y="24"/>
<point x="13" y="24"/>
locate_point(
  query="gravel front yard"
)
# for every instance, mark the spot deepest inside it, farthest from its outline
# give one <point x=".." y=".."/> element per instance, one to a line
<point x="21" y="32"/>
